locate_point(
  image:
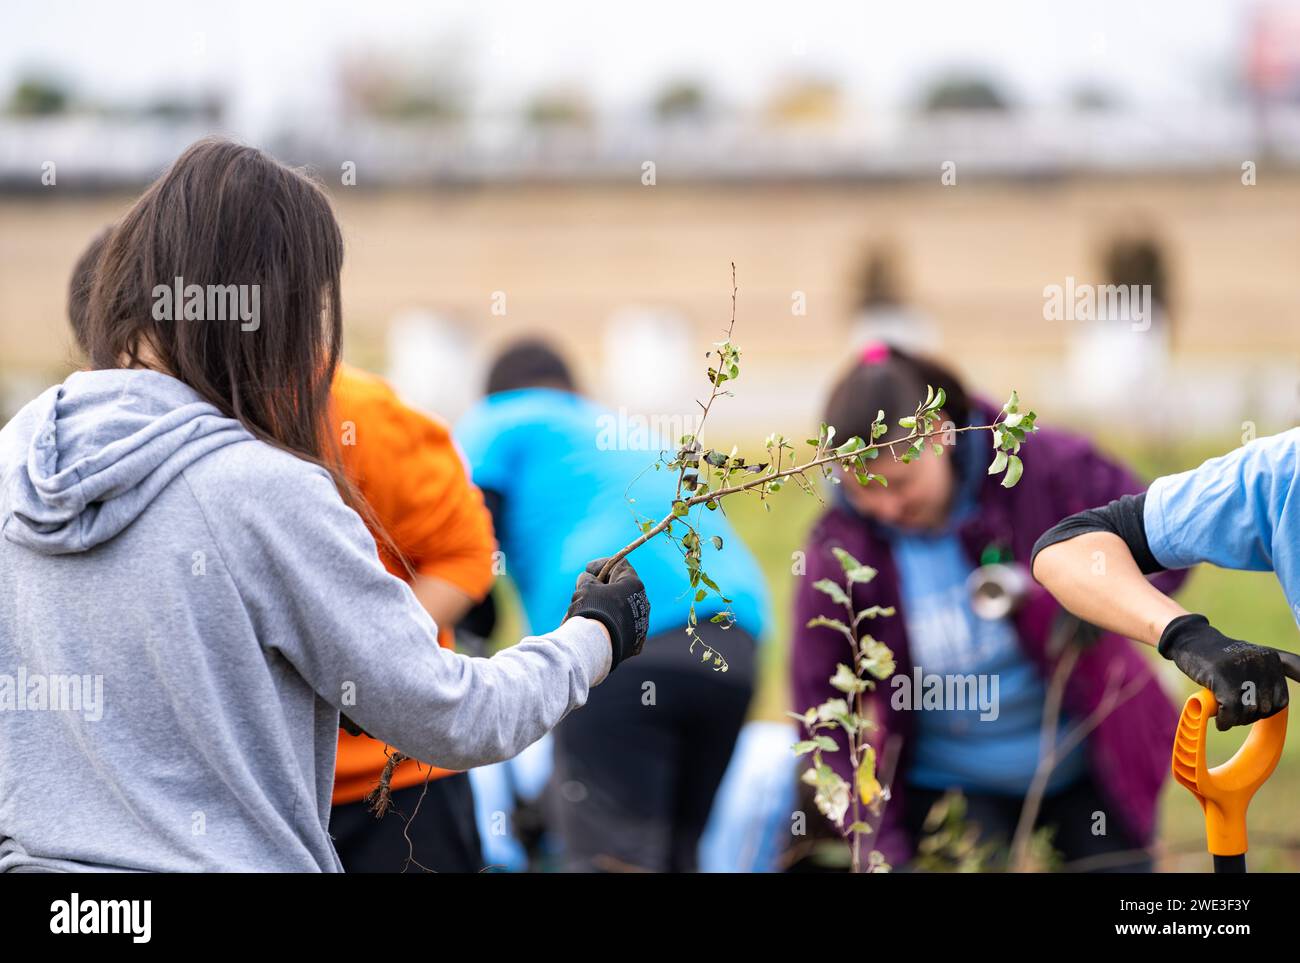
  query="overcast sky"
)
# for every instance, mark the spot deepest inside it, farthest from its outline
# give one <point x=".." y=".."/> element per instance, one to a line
<point x="272" y="58"/>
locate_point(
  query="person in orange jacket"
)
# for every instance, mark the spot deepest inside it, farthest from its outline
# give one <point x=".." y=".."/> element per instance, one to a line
<point x="436" y="534"/>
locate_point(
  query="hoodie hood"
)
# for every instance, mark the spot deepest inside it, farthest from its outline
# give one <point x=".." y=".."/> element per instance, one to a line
<point x="99" y="448"/>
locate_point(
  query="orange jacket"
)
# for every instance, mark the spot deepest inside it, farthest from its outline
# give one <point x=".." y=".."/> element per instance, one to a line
<point x="410" y="472"/>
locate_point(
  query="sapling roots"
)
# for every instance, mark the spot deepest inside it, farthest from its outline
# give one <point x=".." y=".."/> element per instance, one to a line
<point x="381" y="797"/>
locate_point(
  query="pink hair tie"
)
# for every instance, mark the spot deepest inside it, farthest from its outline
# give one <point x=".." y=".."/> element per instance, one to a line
<point x="874" y="352"/>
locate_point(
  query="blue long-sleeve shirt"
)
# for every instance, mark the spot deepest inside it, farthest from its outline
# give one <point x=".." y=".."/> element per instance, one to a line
<point x="565" y="477"/>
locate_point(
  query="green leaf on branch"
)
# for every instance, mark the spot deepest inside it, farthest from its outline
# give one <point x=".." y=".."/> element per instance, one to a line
<point x="832" y="792"/>
<point x="847" y="681"/>
<point x="855" y="571"/>
<point x="825" y="743"/>
<point x="827" y="587"/>
<point x="999" y="463"/>
<point x="877" y="659"/>
<point x="807" y="718"/>
<point x="822" y="621"/>
<point x="1014" y="470"/>
<point x="832" y="710"/>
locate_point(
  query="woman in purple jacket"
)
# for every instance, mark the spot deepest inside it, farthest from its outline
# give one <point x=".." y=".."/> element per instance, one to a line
<point x="928" y="533"/>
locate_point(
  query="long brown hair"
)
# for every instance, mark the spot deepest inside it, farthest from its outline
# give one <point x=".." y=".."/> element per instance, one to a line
<point x="226" y="214"/>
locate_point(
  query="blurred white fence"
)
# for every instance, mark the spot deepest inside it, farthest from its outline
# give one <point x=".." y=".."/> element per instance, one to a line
<point x="110" y="150"/>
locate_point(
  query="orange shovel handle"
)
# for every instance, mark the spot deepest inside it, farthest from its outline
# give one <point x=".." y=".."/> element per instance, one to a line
<point x="1225" y="791"/>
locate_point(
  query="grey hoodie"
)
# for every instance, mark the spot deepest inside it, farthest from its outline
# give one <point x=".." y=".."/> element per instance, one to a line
<point x="183" y="611"/>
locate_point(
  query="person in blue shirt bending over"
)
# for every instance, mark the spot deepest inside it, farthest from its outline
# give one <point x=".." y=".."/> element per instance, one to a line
<point x="1240" y="510"/>
<point x="637" y="769"/>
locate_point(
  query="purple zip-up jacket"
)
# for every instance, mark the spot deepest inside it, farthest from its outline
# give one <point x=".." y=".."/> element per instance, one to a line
<point x="1128" y="752"/>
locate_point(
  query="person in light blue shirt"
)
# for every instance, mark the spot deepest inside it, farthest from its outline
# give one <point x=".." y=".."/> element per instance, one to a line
<point x="993" y="751"/>
<point x="561" y="484"/>
<point x="1240" y="510"/>
<point x="983" y="752"/>
<point x="635" y="772"/>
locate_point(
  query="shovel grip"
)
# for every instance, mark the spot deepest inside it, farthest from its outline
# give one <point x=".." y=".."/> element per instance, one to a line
<point x="1225" y="791"/>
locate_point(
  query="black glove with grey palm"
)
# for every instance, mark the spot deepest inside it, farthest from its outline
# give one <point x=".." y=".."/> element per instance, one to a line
<point x="619" y="604"/>
<point x="1248" y="680"/>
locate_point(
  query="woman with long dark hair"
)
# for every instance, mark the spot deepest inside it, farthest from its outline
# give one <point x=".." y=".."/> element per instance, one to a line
<point x="939" y="529"/>
<point x="187" y="601"/>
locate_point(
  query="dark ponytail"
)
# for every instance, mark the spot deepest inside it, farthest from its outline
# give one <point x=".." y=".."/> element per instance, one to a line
<point x="887" y="378"/>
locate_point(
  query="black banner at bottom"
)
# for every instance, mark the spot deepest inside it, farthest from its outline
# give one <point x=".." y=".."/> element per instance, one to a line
<point x="379" y="913"/>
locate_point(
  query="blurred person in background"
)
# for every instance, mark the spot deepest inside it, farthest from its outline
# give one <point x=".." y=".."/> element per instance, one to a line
<point x="179" y="543"/>
<point x="636" y="772"/>
<point x="1119" y="356"/>
<point x="885" y="312"/>
<point x="938" y="520"/>
<point x="434" y="533"/>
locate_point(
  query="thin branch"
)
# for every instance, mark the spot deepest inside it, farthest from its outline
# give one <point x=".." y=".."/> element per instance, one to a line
<point x="717" y="388"/>
<point x="1112" y="698"/>
<point x="764" y="479"/>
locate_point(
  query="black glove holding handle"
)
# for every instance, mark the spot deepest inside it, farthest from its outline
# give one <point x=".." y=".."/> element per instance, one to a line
<point x="619" y="604"/>
<point x="1225" y="665"/>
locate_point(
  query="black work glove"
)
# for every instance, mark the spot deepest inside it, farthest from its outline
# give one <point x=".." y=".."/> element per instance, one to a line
<point x="619" y="604"/>
<point x="1224" y="666"/>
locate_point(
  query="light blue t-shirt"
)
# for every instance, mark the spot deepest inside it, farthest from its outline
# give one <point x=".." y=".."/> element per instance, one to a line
<point x="565" y="489"/>
<point x="970" y="748"/>
<point x="1239" y="511"/>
